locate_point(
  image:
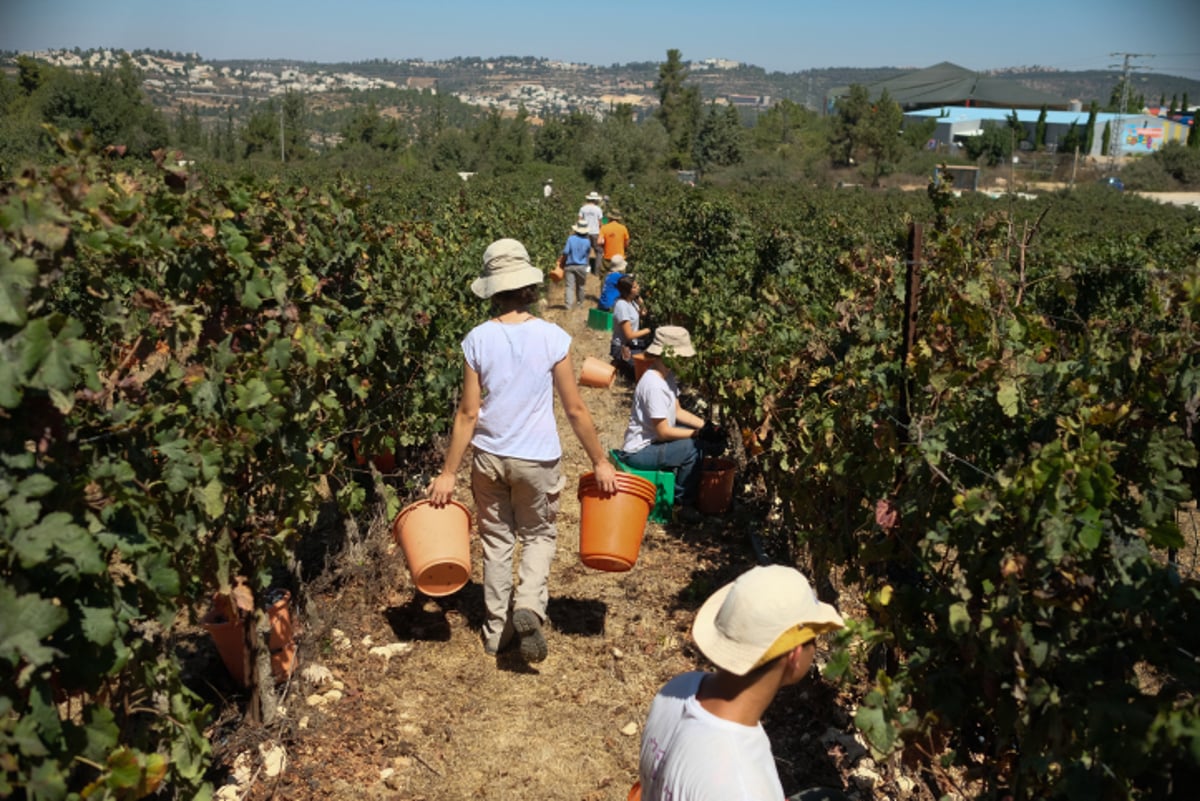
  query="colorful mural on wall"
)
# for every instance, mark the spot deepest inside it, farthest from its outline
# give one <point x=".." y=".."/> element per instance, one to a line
<point x="1141" y="140"/>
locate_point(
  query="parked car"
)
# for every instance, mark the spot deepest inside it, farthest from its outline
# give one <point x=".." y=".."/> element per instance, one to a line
<point x="1114" y="182"/>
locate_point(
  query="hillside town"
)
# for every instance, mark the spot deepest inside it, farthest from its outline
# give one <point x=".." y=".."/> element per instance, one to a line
<point x="961" y="102"/>
<point x="508" y="86"/>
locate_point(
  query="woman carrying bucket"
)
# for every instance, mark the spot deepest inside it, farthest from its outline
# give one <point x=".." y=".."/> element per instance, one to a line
<point x="514" y="363"/>
<point x="661" y="434"/>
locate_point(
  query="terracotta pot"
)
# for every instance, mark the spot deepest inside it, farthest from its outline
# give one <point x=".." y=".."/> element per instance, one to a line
<point x="230" y="638"/>
<point x="227" y="628"/>
<point x="716" y="485"/>
<point x="596" y="373"/>
<point x="611" y="526"/>
<point x="557" y="273"/>
<point x="282" y="640"/>
<point x="437" y="545"/>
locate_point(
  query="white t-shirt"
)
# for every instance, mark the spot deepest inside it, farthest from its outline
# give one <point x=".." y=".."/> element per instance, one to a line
<point x="514" y="362"/>
<point x="624" y="310"/>
<point x="591" y="214"/>
<point x="690" y="754"/>
<point x="654" y="398"/>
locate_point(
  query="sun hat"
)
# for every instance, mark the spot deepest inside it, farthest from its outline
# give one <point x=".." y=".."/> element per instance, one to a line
<point x="674" y="338"/>
<point x="593" y="195"/>
<point x="580" y="227"/>
<point x="613" y="214"/>
<point x="617" y="263"/>
<point x="764" y="613"/>
<point x="506" y="266"/>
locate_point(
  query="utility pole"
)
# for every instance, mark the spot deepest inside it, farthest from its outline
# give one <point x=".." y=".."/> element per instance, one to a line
<point x="1012" y="159"/>
<point x="282" y="155"/>
<point x="1114" y="135"/>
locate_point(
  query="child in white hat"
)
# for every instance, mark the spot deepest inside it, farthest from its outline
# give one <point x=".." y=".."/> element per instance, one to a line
<point x="704" y="739"/>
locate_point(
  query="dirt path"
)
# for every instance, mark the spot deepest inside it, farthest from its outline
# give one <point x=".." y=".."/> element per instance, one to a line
<point x="441" y="721"/>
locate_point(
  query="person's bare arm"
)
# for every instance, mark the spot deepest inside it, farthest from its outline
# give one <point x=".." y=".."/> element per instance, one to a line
<point x="628" y="334"/>
<point x="441" y="489"/>
<point x="581" y="423"/>
<point x="665" y="432"/>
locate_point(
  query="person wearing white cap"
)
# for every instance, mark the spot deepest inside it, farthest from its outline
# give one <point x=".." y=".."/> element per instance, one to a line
<point x="703" y="739"/>
<point x="514" y="363"/>
<point x="591" y="213"/>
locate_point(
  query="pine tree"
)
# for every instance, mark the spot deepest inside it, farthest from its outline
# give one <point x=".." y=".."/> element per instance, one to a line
<point x="1039" y="131"/>
<point x="844" y="131"/>
<point x="719" y="141"/>
<point x="1104" y="143"/>
<point x="679" y="108"/>
<point x="880" y="135"/>
<point x="1090" y="134"/>
<point x="1071" y="140"/>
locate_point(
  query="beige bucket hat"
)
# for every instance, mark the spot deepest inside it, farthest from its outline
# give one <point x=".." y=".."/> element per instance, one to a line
<point x="673" y="339"/>
<point x="764" y="613"/>
<point x="506" y="266"/>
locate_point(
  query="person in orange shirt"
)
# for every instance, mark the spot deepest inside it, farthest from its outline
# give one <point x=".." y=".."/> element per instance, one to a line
<point x="615" y="237"/>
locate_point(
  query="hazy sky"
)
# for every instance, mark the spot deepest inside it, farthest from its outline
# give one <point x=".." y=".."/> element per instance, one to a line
<point x="784" y="35"/>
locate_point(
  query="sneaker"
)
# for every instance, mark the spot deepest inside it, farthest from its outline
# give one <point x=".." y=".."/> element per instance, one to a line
<point x="492" y="650"/>
<point x="529" y="628"/>
<point x="505" y="642"/>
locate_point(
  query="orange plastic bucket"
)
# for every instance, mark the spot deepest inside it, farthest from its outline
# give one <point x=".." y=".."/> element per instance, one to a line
<point x="557" y="273"/>
<point x="611" y="526"/>
<point x="437" y="545"/>
<point x="596" y="373"/>
<point x="716" y="485"/>
<point x="640" y="363"/>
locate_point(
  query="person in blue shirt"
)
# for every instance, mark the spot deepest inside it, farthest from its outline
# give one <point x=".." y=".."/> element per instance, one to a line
<point x="575" y="253"/>
<point x="609" y="292"/>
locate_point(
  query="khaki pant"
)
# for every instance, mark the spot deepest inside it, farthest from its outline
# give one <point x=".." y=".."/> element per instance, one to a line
<point x="516" y="500"/>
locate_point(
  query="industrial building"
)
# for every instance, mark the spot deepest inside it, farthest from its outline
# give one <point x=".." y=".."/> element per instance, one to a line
<point x="1137" y="133"/>
<point x="963" y="102"/>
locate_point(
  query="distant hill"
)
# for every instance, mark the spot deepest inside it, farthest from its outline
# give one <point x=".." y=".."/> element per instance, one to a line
<point x="1097" y="85"/>
<point x="543" y="86"/>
